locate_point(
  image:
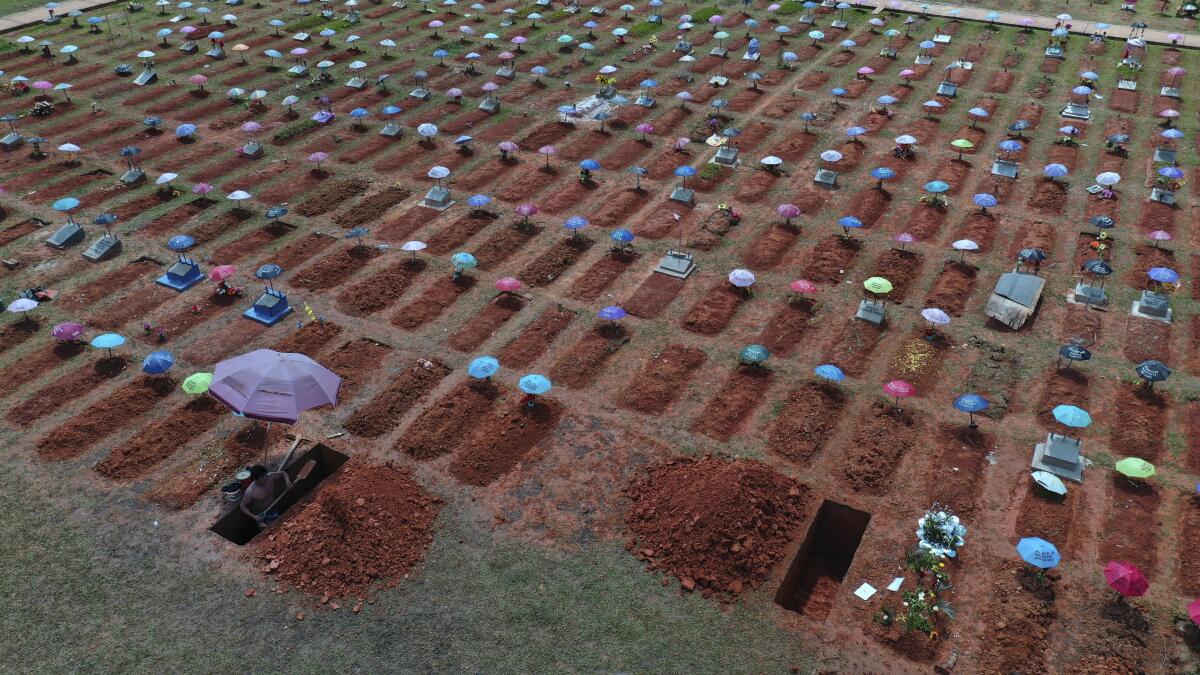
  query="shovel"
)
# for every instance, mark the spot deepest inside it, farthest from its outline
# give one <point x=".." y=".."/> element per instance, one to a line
<point x="300" y="475"/>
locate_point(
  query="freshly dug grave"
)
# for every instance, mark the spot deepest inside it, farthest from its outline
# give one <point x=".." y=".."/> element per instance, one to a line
<point x="718" y="525"/>
<point x="365" y="524"/>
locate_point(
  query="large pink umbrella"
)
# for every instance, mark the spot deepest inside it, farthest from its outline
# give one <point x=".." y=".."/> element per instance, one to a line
<point x="547" y="150"/>
<point x="803" y="286"/>
<point x="508" y="284"/>
<point x="508" y="146"/>
<point x="899" y="389"/>
<point x="1126" y="579"/>
<point x="202" y="188"/>
<point x="273" y="386"/>
<point x="787" y="212"/>
<point x="1193" y="610"/>
<point x="42" y="84"/>
<point x="198" y="80"/>
<point x="221" y="272"/>
<point x="526" y="210"/>
<point x="66" y="332"/>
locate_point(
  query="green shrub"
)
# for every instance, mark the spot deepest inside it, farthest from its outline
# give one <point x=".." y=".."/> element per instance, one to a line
<point x="790" y="8"/>
<point x="293" y="130"/>
<point x="710" y="172"/>
<point x="703" y="14"/>
<point x="644" y="29"/>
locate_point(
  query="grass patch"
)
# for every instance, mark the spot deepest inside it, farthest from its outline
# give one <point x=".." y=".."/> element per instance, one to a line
<point x="703" y="14"/>
<point x="790" y="8"/>
<point x="293" y="130"/>
<point x="310" y="22"/>
<point x="644" y="29"/>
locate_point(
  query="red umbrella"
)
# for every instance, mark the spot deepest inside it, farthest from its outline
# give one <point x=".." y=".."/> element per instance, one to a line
<point x="508" y="284"/>
<point x="1126" y="579"/>
<point x="899" y="389"/>
<point x="1194" y="611"/>
<point x="221" y="272"/>
<point x="803" y="286"/>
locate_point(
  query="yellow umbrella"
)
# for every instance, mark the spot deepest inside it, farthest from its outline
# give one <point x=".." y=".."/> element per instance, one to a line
<point x="878" y="285"/>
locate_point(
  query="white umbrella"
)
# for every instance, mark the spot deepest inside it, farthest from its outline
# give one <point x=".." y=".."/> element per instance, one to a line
<point x="68" y="147"/>
<point x="166" y="178"/>
<point x="831" y="155"/>
<point x="1108" y="178"/>
<point x="1050" y="482"/>
<point x="238" y="195"/>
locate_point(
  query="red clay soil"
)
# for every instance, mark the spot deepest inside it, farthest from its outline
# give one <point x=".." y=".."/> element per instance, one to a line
<point x="356" y="362"/>
<point x="484" y="325"/>
<point x="920" y="360"/>
<point x="1049" y="196"/>
<point x="438" y="430"/>
<point x="1146" y="257"/>
<point x="437" y="297"/>
<point x="238" y="450"/>
<point x="1018" y="618"/>
<point x="1061" y="387"/>
<point x="851" y="347"/>
<point x="381" y="289"/>
<point x="579" y="366"/>
<point x="364" y="524"/>
<point x="1147" y="339"/>
<point x="372" y="207"/>
<point x="1040" y="515"/>
<point x="809" y="417"/>
<point x="713" y="311"/>
<point x="496" y="444"/>
<point x="1142" y="415"/>
<point x="311" y="338"/>
<point x="301" y="250"/>
<point x="384" y="411"/>
<point x="830" y="258"/>
<point x="653" y="295"/>
<point x="662" y="379"/>
<point x="152" y="444"/>
<point x="551" y="264"/>
<point x="330" y="195"/>
<point x="956" y="478"/>
<point x="334" y="268"/>
<point x="952" y="288"/>
<point x="770" y="247"/>
<point x="901" y="268"/>
<point x="502" y="244"/>
<point x="452" y="236"/>
<point x="1189" y="553"/>
<point x="1132" y="527"/>
<point x="119" y="409"/>
<point x="884" y="435"/>
<point x="787" y="327"/>
<point x="536" y="338"/>
<point x="35" y="364"/>
<point x="15" y="232"/>
<point x="732" y="405"/>
<point x="66" y="388"/>
<point x="17" y="332"/>
<point x="719" y="526"/>
<point x="601" y="275"/>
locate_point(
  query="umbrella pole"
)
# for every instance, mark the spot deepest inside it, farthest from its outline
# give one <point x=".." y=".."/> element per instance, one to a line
<point x="266" y="443"/>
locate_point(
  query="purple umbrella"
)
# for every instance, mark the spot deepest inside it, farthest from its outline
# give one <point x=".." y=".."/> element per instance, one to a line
<point x="273" y="386"/>
<point x="67" y="332"/>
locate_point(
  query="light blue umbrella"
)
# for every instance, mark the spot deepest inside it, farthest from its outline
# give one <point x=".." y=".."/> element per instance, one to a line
<point x="534" y="384"/>
<point x="1009" y="145"/>
<point x="185" y="130"/>
<point x="359" y="113"/>
<point x="622" y="236"/>
<point x="1172" y="172"/>
<point x="180" y="242"/>
<point x="463" y="261"/>
<point x="357" y="233"/>
<point x="1163" y="275"/>
<point x="268" y="272"/>
<point x="65" y="204"/>
<point x="886" y="99"/>
<point x="478" y="201"/>
<point x="1072" y="416"/>
<point x="575" y="224"/>
<point x="684" y="171"/>
<point x="927" y="44"/>
<point x="1171" y="133"/>
<point x="984" y="201"/>
<point x="1038" y="552"/>
<point x="157" y="363"/>
<point x="648" y="84"/>
<point x="754" y="354"/>
<point x="830" y="372"/>
<point x="109" y="341"/>
<point x="483" y="367"/>
<point x="855" y="131"/>
<point x="1055" y="171"/>
<point x="392" y="110"/>
<point x="590" y="165"/>
<point x="839" y="91"/>
<point x="882" y="173"/>
<point x="849" y="223"/>
<point x="937" y="186"/>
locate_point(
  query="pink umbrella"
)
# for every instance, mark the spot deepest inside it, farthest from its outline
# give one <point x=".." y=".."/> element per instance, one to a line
<point x="1159" y="235"/>
<point x="298" y="51"/>
<point x="42" y="84"/>
<point x="506" y="56"/>
<point x="526" y="211"/>
<point x="1126" y="579"/>
<point x="489" y="86"/>
<point x="907" y="73"/>
<point x="252" y="127"/>
<point x="221" y="272"/>
<point x="904" y="239"/>
<point x="547" y="150"/>
<point x="1193" y="610"/>
<point x="454" y="92"/>
<point x="187" y="30"/>
<point x="1174" y="37"/>
<point x="435" y="24"/>
<point x="1175" y="74"/>
<point x="899" y="389"/>
<point x="1027" y="21"/>
<point x="508" y="146"/>
<point x="682" y="142"/>
<point x="66" y="332"/>
<point x="318" y="157"/>
<point x="198" y="79"/>
<point x="803" y="286"/>
<point x="519" y="40"/>
<point x="508" y="284"/>
<point x="787" y="212"/>
<point x="273" y="386"/>
<point x="866" y="70"/>
<point x="644" y="128"/>
<point x="202" y="188"/>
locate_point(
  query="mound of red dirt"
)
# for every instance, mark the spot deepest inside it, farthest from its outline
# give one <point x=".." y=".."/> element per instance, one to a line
<point x="716" y="524"/>
<point x="367" y="523"/>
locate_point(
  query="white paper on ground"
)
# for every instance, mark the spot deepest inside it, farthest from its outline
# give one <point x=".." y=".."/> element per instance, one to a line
<point x="865" y="591"/>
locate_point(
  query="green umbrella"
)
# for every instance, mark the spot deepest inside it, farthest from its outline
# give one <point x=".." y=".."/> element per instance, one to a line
<point x="878" y="285"/>
<point x="1135" y="467"/>
<point x="962" y="144"/>
<point x="197" y="383"/>
<point x="754" y="354"/>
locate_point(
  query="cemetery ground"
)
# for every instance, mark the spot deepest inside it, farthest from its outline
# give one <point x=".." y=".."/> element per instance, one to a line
<point x="665" y="507"/>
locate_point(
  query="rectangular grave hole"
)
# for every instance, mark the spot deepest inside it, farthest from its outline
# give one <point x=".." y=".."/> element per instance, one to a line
<point x="820" y="565"/>
<point x="239" y="528"/>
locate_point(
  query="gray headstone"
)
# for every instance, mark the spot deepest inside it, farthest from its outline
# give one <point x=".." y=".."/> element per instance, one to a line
<point x="1058" y="455"/>
<point x="489" y="105"/>
<point x="215" y="53"/>
<point x="391" y="130"/>
<point x="750" y="56"/>
<point x="644" y="101"/>
<point x="725" y="156"/>
<point x="923" y="60"/>
<point x="888" y="52"/>
<point x="421" y="93"/>
<point x="839" y="24"/>
<point x="252" y="149"/>
<point x="826" y="177"/>
<point x="103" y="248"/>
<point x="1006" y="168"/>
<point x="1170" y="92"/>
<point x="1162" y="196"/>
<point x="1076" y="111"/>
<point x="676" y="264"/>
<point x="356" y="83"/>
<point x="1086" y="294"/>
<point x="870" y="311"/>
<point x="506" y="72"/>
<point x="437" y="198"/>
<point x="942" y="39"/>
<point x="682" y="195"/>
<point x="1127" y="85"/>
<point x="719" y="52"/>
<point x="298" y="69"/>
<point x="947" y="89"/>
<point x="1164" y="155"/>
<point x="1054" y="53"/>
<point x="133" y="176"/>
<point x="11" y="140"/>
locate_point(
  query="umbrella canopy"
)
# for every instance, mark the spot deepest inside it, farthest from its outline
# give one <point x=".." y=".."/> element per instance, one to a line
<point x="971" y="403"/>
<point x="1049" y="482"/>
<point x="22" y="305"/>
<point x="788" y="210"/>
<point x="1135" y="467"/>
<point x="1126" y="579"/>
<point x="899" y="389"/>
<point x="829" y="372"/>
<point x="1038" y="552"/>
<point x="1153" y="371"/>
<point x="611" y="313"/>
<point x="803" y="286"/>
<point x="268" y="271"/>
<point x="157" y="363"/>
<point x="108" y="341"/>
<point x="1072" y="416"/>
<point x="508" y="284"/>
<point x="180" y="242"/>
<point x="1193" y="610"/>
<point x="984" y="200"/>
<point x="621" y="235"/>
<point x="1163" y="275"/>
<point x="1108" y="178"/>
<point x="831" y="156"/>
<point x="66" y="332"/>
<point x="483" y="367"/>
<point x="1074" y="352"/>
<point x="882" y="173"/>
<point x="463" y="260"/>
<point x="1055" y="171"/>
<point x="878" y="285"/>
<point x="534" y="384"/>
<point x="754" y="354"/>
<point x="197" y="383"/>
<point x="221" y="272"/>
<point x="1033" y="255"/>
<point x="741" y="278"/>
<point x="65" y="204"/>
<point x="937" y="186"/>
<point x="935" y="316"/>
<point x="273" y="386"/>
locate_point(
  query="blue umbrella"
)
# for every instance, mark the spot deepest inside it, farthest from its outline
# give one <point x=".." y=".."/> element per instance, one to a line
<point x="1171" y="133"/>
<point x="882" y="173"/>
<point x="185" y="130"/>
<point x="622" y="236"/>
<point x="590" y="165"/>
<point x="392" y="110"/>
<point x="1019" y="125"/>
<point x="575" y="223"/>
<point x="1153" y="371"/>
<point x="65" y="204"/>
<point x="830" y="372"/>
<point x="855" y="131"/>
<point x="157" y="363"/>
<point x="1074" y="352"/>
<point x="268" y="272"/>
<point x="839" y="91"/>
<point x="130" y="151"/>
<point x="1055" y="171"/>
<point x="971" y="404"/>
<point x="984" y="201"/>
<point x="357" y="233"/>
<point x="1102" y="222"/>
<point x="1009" y="145"/>
<point x="1038" y="552"/>
<point x="649" y="84"/>
<point x="359" y="113"/>
<point x="849" y="222"/>
<point x="754" y="354"/>
<point x="1172" y="172"/>
<point x="611" y="313"/>
<point x="534" y="384"/>
<point x="478" y="201"/>
<point x="180" y="242"/>
<point x="276" y="212"/>
<point x="152" y="122"/>
<point x="1098" y="267"/>
<point x="463" y="260"/>
<point x="1072" y="416"/>
<point x="483" y="367"/>
<point x="886" y="99"/>
<point x="937" y="186"/>
<point x="1163" y="275"/>
<point x="684" y="171"/>
<point x="566" y="109"/>
<point x="927" y="44"/>
<point x="105" y="219"/>
<point x="109" y="341"/>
